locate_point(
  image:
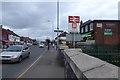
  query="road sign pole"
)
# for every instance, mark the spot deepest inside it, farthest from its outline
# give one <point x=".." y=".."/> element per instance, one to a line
<point x="74" y="20"/>
<point x="74" y="40"/>
<point x="57" y="22"/>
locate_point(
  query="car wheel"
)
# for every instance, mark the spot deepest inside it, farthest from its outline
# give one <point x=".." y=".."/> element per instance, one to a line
<point x="28" y="55"/>
<point x="20" y="59"/>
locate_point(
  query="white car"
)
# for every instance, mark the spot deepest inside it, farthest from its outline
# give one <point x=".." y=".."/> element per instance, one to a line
<point x="29" y="44"/>
<point x="15" y="53"/>
<point x="41" y="45"/>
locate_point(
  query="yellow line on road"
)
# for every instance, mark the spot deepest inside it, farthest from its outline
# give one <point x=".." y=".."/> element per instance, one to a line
<point x="29" y="66"/>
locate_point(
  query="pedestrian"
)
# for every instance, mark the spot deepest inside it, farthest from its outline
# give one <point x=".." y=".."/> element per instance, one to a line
<point x="48" y="42"/>
<point x="53" y="45"/>
<point x="48" y="46"/>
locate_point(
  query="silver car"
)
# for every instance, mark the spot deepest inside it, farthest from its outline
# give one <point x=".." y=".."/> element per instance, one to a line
<point x="15" y="53"/>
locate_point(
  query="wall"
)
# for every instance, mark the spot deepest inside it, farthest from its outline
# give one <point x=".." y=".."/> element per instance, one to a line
<point x="85" y="67"/>
<point x="4" y="34"/>
<point x="108" y="33"/>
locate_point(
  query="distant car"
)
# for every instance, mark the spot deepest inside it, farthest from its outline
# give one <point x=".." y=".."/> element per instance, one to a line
<point x="35" y="43"/>
<point x="41" y="45"/>
<point x="29" y="44"/>
<point x="15" y="53"/>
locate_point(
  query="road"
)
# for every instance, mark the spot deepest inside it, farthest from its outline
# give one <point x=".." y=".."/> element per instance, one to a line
<point x="14" y="70"/>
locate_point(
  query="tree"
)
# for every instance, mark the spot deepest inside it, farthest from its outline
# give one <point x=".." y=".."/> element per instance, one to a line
<point x="47" y="40"/>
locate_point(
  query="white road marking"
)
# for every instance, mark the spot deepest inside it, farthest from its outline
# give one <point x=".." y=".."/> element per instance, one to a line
<point x="30" y="66"/>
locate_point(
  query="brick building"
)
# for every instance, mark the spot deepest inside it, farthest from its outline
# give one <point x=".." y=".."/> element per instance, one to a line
<point x="103" y="32"/>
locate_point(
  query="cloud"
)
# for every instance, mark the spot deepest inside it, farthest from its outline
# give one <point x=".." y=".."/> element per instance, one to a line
<point x="31" y="18"/>
<point x="89" y="9"/>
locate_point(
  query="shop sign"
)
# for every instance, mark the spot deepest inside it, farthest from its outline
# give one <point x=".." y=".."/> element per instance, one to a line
<point x="108" y="32"/>
<point x="99" y="25"/>
<point x="11" y="38"/>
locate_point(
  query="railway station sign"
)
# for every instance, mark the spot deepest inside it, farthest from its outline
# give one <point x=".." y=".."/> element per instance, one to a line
<point x="73" y="24"/>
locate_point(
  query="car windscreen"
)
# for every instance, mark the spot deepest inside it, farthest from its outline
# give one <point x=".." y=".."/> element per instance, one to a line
<point x="14" y="49"/>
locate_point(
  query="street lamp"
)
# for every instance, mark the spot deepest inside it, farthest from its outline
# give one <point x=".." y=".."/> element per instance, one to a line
<point x="57" y="22"/>
<point x="52" y="28"/>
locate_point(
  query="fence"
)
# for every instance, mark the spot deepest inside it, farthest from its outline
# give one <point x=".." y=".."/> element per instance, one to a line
<point x="109" y="55"/>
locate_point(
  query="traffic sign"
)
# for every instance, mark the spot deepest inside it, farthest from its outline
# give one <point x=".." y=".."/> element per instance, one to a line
<point x="58" y="30"/>
<point x="74" y="25"/>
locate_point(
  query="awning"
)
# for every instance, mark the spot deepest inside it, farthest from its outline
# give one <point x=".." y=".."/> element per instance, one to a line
<point x="86" y="34"/>
<point x="6" y="41"/>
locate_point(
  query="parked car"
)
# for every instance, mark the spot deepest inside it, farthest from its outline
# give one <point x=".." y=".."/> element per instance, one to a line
<point x="41" y="45"/>
<point x="15" y="53"/>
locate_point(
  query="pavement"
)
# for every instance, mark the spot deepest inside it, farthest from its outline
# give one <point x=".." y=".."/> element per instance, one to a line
<point x="46" y="67"/>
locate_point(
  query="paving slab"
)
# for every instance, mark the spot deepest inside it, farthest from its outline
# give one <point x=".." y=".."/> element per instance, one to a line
<point x="46" y="67"/>
<point x="106" y="71"/>
<point x="90" y="67"/>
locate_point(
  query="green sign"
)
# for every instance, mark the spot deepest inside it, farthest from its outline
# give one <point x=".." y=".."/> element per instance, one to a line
<point x="108" y="33"/>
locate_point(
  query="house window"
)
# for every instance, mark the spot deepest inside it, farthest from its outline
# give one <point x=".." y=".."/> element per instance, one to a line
<point x="86" y="28"/>
<point x="82" y="30"/>
<point x="91" y="26"/>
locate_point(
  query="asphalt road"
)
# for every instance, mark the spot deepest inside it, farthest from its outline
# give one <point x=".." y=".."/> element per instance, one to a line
<point x="15" y="69"/>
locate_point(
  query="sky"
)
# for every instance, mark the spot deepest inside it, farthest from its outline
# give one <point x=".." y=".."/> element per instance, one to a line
<point x="37" y="19"/>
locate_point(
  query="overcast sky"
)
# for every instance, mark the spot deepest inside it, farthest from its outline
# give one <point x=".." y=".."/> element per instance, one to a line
<point x="38" y="19"/>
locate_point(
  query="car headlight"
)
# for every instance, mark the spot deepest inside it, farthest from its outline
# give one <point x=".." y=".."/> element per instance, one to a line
<point x="14" y="56"/>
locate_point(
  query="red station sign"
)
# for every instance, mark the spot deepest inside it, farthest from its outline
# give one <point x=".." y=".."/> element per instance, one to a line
<point x="74" y="20"/>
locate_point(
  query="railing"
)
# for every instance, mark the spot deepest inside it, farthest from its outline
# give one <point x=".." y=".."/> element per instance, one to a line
<point x="111" y="56"/>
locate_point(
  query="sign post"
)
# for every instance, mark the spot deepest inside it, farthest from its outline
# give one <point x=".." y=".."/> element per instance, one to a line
<point x="57" y="35"/>
<point x="73" y="26"/>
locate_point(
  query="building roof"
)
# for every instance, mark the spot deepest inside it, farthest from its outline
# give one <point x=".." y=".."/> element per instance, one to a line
<point x="11" y="32"/>
<point x="63" y="34"/>
<point x="85" y="23"/>
<point x="89" y="21"/>
<point x="107" y="20"/>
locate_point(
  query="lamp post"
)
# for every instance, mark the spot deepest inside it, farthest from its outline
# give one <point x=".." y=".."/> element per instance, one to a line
<point x="52" y="28"/>
<point x="57" y="22"/>
<point x="0" y="36"/>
